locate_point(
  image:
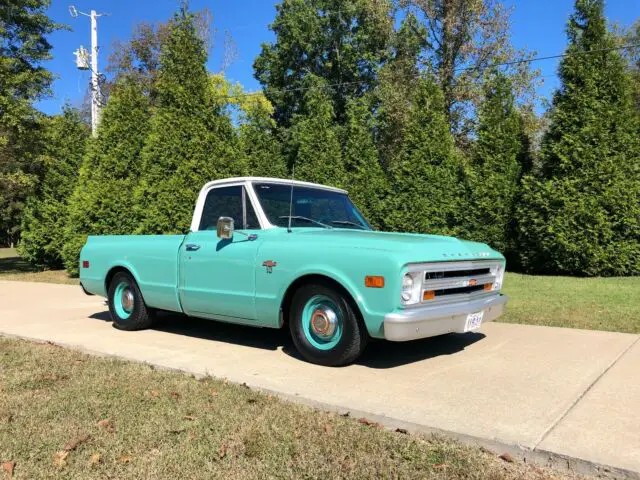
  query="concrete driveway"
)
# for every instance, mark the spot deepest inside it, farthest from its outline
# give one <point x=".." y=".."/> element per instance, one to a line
<point x="552" y="395"/>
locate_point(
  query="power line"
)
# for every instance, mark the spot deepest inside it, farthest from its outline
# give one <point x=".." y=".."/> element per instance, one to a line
<point x="494" y="65"/>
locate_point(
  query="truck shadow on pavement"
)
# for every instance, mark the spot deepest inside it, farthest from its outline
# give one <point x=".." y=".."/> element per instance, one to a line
<point x="378" y="354"/>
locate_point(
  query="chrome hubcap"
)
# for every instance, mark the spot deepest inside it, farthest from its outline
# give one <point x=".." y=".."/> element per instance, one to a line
<point x="127" y="299"/>
<point x="323" y="322"/>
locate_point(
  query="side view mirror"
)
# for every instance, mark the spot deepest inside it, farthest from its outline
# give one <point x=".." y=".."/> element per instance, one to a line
<point x="225" y="228"/>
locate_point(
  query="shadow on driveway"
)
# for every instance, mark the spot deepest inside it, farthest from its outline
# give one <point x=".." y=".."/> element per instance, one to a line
<point x="378" y="354"/>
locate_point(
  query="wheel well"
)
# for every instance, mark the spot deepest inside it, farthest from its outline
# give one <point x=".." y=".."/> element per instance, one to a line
<point x="110" y="275"/>
<point x="285" y="306"/>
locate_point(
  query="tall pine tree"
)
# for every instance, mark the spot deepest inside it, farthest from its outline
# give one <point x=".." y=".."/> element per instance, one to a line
<point x="426" y="174"/>
<point x="582" y="214"/>
<point x="192" y="140"/>
<point x="45" y="216"/>
<point x="366" y="181"/>
<point x="501" y="152"/>
<point x="102" y="200"/>
<point x="315" y="137"/>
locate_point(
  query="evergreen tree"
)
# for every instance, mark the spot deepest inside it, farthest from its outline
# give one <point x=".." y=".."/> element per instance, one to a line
<point x="426" y="175"/>
<point x="259" y="140"/>
<point x="582" y="214"/>
<point x="501" y="153"/>
<point x="315" y="138"/>
<point x="192" y="140"/>
<point x="45" y="215"/>
<point x="366" y="181"/>
<point x="102" y="200"/>
<point x="24" y="28"/>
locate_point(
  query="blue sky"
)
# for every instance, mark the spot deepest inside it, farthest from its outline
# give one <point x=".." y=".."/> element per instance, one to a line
<point x="536" y="24"/>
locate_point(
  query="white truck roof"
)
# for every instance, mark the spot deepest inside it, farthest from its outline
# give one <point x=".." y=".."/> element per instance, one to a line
<point x="237" y="180"/>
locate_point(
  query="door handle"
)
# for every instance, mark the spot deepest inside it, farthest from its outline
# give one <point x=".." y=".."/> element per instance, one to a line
<point x="192" y="247"/>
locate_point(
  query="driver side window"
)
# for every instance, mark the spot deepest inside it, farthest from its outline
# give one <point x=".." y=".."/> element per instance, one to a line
<point x="228" y="202"/>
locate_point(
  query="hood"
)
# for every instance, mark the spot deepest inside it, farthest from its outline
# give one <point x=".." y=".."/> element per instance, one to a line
<point x="411" y="247"/>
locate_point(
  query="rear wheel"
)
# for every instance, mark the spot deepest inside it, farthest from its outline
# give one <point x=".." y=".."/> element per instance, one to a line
<point x="126" y="305"/>
<point x="325" y="327"/>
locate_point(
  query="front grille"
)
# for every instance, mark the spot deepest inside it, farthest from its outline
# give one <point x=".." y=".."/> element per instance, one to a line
<point x="457" y="281"/>
<point x="470" y="272"/>
<point x="455" y="291"/>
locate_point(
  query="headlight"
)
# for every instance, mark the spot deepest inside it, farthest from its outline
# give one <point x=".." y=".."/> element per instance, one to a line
<point x="411" y="285"/>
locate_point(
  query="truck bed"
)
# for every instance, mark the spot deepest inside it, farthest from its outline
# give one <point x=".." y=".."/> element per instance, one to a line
<point x="152" y="259"/>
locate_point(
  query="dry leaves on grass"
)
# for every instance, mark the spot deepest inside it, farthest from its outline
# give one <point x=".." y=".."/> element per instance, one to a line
<point x="155" y="393"/>
<point x="107" y="425"/>
<point x="368" y="423"/>
<point x="125" y="459"/>
<point x="327" y="428"/>
<point x="8" y="467"/>
<point x="76" y="442"/>
<point x="222" y="451"/>
<point x="60" y="458"/>
<point x="214" y="393"/>
<point x="189" y="417"/>
<point x="506" y="457"/>
<point x="95" y="459"/>
<point x="175" y="395"/>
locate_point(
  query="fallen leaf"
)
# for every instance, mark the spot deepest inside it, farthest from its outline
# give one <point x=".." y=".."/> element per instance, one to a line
<point x="73" y="444"/>
<point x="175" y="395"/>
<point x="402" y="430"/>
<point x="95" y="459"/>
<point x="222" y="451"/>
<point x="8" y="467"/>
<point x="327" y="428"/>
<point x="369" y="423"/>
<point x="125" y="459"/>
<point x="189" y="417"/>
<point x="439" y="466"/>
<point x="155" y="393"/>
<point x="107" y="424"/>
<point x="60" y="458"/>
<point x="214" y="393"/>
<point x="506" y="457"/>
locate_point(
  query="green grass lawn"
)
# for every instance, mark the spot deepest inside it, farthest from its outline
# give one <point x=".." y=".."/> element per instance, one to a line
<point x="65" y="414"/>
<point x="12" y="267"/>
<point x="592" y="303"/>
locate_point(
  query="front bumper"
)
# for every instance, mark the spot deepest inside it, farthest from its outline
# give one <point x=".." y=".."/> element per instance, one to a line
<point x="422" y="322"/>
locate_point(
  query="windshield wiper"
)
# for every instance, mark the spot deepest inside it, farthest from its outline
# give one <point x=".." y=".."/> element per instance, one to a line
<point x="310" y="220"/>
<point x="347" y="222"/>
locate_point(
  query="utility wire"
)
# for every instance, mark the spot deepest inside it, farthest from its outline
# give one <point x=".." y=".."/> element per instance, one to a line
<point x="461" y="69"/>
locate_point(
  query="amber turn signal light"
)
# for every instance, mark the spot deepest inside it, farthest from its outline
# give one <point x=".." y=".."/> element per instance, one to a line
<point x="488" y="287"/>
<point x="429" y="295"/>
<point x="372" y="281"/>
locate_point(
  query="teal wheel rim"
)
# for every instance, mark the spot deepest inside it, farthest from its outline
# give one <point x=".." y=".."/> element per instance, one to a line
<point x="322" y="322"/>
<point x="123" y="300"/>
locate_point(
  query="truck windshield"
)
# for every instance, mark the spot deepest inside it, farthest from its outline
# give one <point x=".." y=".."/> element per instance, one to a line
<point x="312" y="207"/>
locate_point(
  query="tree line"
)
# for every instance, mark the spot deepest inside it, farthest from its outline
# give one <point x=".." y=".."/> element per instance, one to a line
<point x="422" y="109"/>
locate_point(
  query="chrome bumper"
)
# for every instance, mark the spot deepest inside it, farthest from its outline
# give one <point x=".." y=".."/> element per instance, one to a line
<point x="422" y="322"/>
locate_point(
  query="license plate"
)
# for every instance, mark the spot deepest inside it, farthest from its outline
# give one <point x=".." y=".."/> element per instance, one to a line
<point x="474" y="320"/>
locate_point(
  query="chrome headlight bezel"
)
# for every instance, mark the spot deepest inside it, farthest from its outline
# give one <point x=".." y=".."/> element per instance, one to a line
<point x="411" y="287"/>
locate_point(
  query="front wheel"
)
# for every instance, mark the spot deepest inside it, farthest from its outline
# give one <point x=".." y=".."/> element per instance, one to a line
<point x="325" y="328"/>
<point x="126" y="305"/>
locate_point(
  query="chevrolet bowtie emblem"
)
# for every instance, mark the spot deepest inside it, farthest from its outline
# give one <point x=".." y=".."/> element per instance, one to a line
<point x="269" y="264"/>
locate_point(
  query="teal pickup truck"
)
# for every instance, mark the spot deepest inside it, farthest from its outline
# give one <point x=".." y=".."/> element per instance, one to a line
<point x="268" y="252"/>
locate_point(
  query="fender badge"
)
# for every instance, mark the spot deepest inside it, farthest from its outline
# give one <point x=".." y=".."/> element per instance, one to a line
<point x="269" y="264"/>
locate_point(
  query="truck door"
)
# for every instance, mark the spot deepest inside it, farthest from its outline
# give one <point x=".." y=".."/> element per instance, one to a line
<point x="217" y="277"/>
